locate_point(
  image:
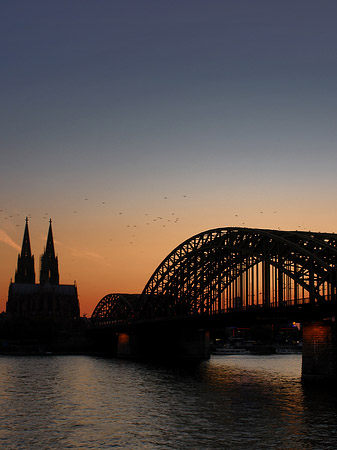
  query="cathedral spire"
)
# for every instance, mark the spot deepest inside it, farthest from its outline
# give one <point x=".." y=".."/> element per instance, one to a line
<point x="25" y="250"/>
<point x="49" y="263"/>
<point x="50" y="250"/>
<point x="25" y="271"/>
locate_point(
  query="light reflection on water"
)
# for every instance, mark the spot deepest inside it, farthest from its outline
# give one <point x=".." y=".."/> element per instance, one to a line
<point x="229" y="402"/>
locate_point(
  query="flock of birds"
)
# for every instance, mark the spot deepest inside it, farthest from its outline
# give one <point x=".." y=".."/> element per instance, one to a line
<point x="150" y="219"/>
<point x="11" y="216"/>
<point x="162" y="221"/>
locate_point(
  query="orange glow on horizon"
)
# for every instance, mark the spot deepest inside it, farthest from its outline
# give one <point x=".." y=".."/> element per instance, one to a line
<point x="131" y="151"/>
<point x="117" y="253"/>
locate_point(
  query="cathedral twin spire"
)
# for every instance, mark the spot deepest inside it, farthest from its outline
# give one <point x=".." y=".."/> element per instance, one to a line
<point x="49" y="262"/>
<point x="49" y="271"/>
<point x="25" y="272"/>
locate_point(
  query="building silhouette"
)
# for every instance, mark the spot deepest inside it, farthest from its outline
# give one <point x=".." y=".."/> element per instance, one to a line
<point x="47" y="299"/>
<point x="49" y="272"/>
<point x="25" y="272"/>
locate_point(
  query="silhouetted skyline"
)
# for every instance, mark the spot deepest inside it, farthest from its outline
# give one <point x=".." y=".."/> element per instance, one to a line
<point x="135" y="125"/>
<point x="48" y="299"/>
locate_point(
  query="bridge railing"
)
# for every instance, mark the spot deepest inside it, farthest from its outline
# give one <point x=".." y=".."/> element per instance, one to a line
<point x="102" y="322"/>
<point x="276" y="304"/>
<point x="108" y="321"/>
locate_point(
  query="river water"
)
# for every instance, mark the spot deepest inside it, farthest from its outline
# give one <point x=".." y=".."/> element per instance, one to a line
<point x="229" y="402"/>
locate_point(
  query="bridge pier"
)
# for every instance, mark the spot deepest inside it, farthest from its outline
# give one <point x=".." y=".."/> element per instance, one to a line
<point x="165" y="345"/>
<point x="193" y="344"/>
<point x="319" y="355"/>
<point x="128" y="345"/>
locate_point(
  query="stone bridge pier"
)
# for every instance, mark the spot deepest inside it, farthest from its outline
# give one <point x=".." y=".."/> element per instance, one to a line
<point x="161" y="344"/>
<point x="319" y="355"/>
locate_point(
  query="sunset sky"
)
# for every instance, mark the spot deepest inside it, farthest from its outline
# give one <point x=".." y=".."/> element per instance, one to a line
<point x="134" y="125"/>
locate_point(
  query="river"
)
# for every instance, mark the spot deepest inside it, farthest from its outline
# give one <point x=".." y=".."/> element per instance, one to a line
<point x="229" y="402"/>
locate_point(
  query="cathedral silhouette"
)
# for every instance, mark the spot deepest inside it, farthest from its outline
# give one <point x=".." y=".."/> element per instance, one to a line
<point x="47" y="299"/>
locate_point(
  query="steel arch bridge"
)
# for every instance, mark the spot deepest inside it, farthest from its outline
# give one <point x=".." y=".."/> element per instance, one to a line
<point x="226" y="269"/>
<point x="115" y="308"/>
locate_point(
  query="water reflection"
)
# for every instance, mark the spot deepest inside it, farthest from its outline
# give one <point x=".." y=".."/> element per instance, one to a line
<point x="235" y="402"/>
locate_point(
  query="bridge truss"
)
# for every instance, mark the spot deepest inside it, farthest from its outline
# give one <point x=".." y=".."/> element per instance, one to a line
<point x="116" y="308"/>
<point x="225" y="269"/>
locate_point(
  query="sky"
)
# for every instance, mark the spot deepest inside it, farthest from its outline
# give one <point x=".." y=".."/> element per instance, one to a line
<point x="135" y="124"/>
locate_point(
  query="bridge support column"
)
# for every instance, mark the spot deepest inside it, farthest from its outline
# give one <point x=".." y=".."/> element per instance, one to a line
<point x="319" y="356"/>
<point x="128" y="346"/>
<point x="164" y="345"/>
<point x="194" y="344"/>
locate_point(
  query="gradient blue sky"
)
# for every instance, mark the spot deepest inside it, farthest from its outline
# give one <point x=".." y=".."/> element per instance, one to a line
<point x="197" y="114"/>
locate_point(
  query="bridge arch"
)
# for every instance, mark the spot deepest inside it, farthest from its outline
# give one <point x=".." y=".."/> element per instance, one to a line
<point x="226" y="268"/>
<point x="115" y="308"/>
